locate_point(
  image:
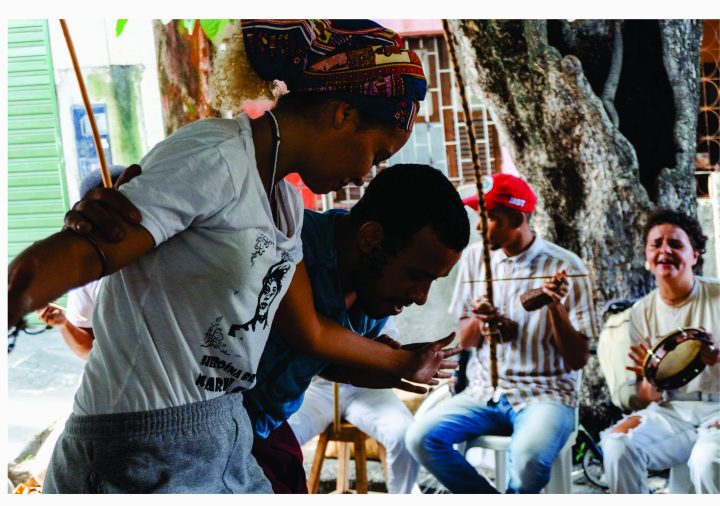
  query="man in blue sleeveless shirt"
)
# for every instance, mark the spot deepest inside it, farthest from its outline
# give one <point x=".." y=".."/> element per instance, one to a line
<point x="407" y="230"/>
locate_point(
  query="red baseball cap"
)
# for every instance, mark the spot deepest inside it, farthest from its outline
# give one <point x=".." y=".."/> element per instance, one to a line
<point x="504" y="190"/>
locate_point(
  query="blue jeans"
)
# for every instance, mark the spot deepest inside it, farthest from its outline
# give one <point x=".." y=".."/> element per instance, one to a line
<point x="539" y="431"/>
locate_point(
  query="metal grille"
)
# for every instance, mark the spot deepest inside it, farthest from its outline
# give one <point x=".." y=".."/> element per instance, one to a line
<point x="707" y="154"/>
<point x="439" y="136"/>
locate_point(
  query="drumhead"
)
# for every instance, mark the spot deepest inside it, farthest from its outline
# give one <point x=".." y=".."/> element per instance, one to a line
<point x="675" y="360"/>
<point x="678" y="360"/>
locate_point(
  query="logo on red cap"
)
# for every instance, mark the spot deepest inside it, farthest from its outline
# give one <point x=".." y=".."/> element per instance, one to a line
<point x="487" y="184"/>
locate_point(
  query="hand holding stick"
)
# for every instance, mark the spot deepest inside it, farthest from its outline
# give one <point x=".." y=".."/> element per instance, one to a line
<point x="67" y="311"/>
<point x="552" y="291"/>
<point x="489" y="316"/>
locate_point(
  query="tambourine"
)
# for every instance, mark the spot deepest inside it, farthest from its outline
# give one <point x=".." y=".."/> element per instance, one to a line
<point x="675" y="360"/>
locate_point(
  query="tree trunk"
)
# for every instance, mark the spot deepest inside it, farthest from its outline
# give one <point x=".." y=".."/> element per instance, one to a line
<point x="594" y="180"/>
<point x="183" y="71"/>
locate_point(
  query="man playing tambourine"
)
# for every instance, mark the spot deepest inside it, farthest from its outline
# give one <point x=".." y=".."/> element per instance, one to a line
<point x="679" y="425"/>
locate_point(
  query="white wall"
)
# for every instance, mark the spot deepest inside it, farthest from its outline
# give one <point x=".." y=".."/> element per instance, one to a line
<point x="96" y="45"/>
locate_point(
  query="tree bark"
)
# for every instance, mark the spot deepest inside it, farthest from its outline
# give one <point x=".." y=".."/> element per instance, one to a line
<point x="594" y="181"/>
<point x="184" y="62"/>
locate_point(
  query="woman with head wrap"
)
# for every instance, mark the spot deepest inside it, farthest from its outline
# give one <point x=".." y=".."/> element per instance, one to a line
<point x="181" y="324"/>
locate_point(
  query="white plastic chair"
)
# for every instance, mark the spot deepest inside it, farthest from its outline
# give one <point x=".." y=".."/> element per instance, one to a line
<point x="560" y="475"/>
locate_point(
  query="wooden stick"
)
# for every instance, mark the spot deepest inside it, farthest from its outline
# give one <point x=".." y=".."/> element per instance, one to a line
<point x="336" y="407"/>
<point x="107" y="182"/>
<point x="75" y="315"/>
<point x="529" y="277"/>
<point x="482" y="210"/>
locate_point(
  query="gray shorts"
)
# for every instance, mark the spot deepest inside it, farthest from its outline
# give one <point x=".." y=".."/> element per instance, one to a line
<point x="202" y="447"/>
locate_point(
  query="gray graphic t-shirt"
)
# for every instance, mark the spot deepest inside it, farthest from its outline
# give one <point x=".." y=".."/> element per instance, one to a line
<point x="188" y="321"/>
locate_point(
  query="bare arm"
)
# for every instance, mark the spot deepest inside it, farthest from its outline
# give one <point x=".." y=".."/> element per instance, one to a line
<point x="336" y="373"/>
<point x="367" y="379"/>
<point x="574" y="346"/>
<point x="79" y="339"/>
<point x="307" y="332"/>
<point x="471" y="335"/>
<point x="49" y="268"/>
<point x="103" y="211"/>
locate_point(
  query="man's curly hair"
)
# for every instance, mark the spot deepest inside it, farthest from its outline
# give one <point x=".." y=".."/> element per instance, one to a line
<point x="691" y="226"/>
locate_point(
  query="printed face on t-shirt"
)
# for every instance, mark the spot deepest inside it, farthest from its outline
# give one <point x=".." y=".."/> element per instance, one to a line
<point x="268" y="294"/>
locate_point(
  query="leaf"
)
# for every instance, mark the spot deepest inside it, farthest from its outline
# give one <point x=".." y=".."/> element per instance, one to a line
<point x="210" y="27"/>
<point x="214" y="29"/>
<point x="120" y="26"/>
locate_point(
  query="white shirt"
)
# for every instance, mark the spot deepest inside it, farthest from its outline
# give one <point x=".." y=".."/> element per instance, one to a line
<point x="189" y="320"/>
<point x="81" y="303"/>
<point x="653" y="318"/>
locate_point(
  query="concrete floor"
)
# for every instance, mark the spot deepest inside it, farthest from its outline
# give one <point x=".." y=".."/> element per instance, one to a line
<point x="376" y="478"/>
<point x="43" y="375"/>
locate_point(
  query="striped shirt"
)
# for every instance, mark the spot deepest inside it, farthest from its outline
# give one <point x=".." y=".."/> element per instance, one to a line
<point x="530" y="367"/>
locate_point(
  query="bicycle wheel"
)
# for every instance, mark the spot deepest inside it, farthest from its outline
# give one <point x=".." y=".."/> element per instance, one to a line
<point x="593" y="469"/>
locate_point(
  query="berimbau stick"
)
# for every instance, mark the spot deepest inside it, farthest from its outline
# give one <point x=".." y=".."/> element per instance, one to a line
<point x="107" y="181"/>
<point x="482" y="210"/>
<point x="527" y="278"/>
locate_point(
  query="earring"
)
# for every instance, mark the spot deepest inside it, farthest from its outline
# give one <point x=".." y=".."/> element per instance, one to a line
<point x="647" y="265"/>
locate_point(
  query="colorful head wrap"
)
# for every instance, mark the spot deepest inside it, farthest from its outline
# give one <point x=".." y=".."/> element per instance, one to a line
<point x="357" y="61"/>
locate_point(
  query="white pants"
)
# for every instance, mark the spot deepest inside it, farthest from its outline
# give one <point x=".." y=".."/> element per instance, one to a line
<point x="378" y="413"/>
<point x="669" y="434"/>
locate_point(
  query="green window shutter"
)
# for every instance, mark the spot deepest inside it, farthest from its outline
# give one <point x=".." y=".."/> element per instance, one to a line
<point x="37" y="193"/>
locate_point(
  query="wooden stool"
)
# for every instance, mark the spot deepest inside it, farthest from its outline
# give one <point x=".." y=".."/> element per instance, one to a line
<point x="345" y="434"/>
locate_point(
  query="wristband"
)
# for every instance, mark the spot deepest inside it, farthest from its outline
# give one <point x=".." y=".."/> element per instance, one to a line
<point x="100" y="254"/>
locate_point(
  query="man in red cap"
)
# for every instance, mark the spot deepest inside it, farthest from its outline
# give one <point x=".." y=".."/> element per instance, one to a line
<point x="538" y="357"/>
